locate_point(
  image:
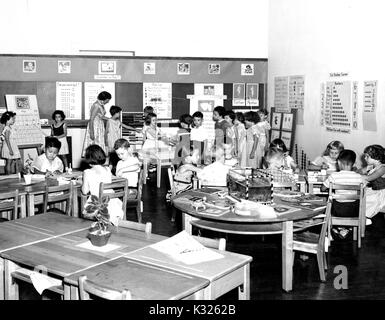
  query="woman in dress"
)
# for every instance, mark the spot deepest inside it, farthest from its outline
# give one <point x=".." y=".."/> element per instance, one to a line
<point x="95" y="133"/>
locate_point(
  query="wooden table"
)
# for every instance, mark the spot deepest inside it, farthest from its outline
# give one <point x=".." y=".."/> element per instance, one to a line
<point x="144" y="281"/>
<point x="236" y="224"/>
<point x="22" y="232"/>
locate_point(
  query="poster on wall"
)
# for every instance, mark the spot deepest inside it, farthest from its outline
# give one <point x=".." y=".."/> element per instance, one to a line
<point x="296" y="96"/>
<point x="64" y="66"/>
<point x="370" y="106"/>
<point x="355" y="106"/>
<point x="274" y="134"/>
<point x="239" y="94"/>
<point x="286" y="138"/>
<point x="91" y="91"/>
<point x="281" y="94"/>
<point x="69" y="99"/>
<point x="29" y="66"/>
<point x="214" y="68"/>
<point x="276" y="120"/>
<point x="247" y="69"/>
<point x="149" y="67"/>
<point x="287" y="122"/>
<point x="322" y="104"/>
<point x="252" y="92"/>
<point x="159" y="96"/>
<point x="338" y="101"/>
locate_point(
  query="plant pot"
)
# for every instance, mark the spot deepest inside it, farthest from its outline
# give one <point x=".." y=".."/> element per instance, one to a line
<point x="99" y="239"/>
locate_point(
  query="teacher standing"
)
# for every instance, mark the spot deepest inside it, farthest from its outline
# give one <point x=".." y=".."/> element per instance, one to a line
<point x="95" y="133"/>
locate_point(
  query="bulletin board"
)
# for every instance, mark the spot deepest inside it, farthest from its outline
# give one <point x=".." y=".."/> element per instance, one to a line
<point x="283" y="125"/>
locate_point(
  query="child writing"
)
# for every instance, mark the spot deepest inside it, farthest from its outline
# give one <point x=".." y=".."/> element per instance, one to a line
<point x="198" y="135"/>
<point x="375" y="194"/>
<point x="48" y="163"/>
<point x="128" y="165"/>
<point x="182" y="140"/>
<point x="99" y="172"/>
<point x="328" y="160"/>
<point x="10" y="151"/>
<point x="345" y="176"/>
<point x="59" y="131"/>
<point x="240" y="138"/>
<point x="252" y="139"/>
<point x="288" y="161"/>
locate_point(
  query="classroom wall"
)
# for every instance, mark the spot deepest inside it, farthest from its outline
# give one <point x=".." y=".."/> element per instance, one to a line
<point x="314" y="38"/>
<point x="199" y="28"/>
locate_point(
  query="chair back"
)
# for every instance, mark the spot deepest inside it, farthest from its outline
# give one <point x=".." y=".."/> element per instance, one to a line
<point x="87" y="288"/>
<point x="146" y="227"/>
<point x="120" y="190"/>
<point x="171" y="173"/>
<point x="219" y="244"/>
<point x="10" y="201"/>
<point x="60" y="193"/>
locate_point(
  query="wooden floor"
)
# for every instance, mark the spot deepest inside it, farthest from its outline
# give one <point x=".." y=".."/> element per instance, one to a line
<point x="365" y="266"/>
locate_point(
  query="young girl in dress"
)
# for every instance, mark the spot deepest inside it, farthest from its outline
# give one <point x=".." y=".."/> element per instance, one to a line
<point x="288" y="161"/>
<point x="328" y="160"/>
<point x="99" y="172"/>
<point x="240" y="138"/>
<point x="375" y="193"/>
<point x="10" y="151"/>
<point x="263" y="128"/>
<point x="252" y="138"/>
<point x="59" y="131"/>
<point x="230" y="150"/>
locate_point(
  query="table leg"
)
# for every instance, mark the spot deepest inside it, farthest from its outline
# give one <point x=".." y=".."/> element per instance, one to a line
<point x="244" y="290"/>
<point x="74" y="293"/>
<point x="186" y="225"/>
<point x="310" y="187"/>
<point x="2" y="284"/>
<point x="287" y="255"/>
<point x="145" y="171"/>
<point x="158" y="172"/>
<point x="11" y="291"/>
<point x="67" y="291"/>
<point x="75" y="203"/>
<point x="30" y="205"/>
<point x="23" y="206"/>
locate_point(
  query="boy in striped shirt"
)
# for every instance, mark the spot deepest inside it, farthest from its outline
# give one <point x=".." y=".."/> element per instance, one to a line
<point x="345" y="175"/>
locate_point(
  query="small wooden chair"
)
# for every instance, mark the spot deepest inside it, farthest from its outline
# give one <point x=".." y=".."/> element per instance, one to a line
<point x="136" y="201"/>
<point x="9" y="201"/>
<point x="146" y="227"/>
<point x="314" y="243"/>
<point x="358" y="223"/>
<point x="171" y="174"/>
<point x="219" y="244"/>
<point x="120" y="191"/>
<point x="87" y="288"/>
<point x="61" y="193"/>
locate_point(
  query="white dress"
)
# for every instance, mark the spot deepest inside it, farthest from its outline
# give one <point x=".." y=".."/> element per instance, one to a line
<point x="375" y="199"/>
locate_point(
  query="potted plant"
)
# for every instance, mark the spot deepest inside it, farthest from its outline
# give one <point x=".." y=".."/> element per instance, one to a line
<point x="27" y="170"/>
<point x="97" y="209"/>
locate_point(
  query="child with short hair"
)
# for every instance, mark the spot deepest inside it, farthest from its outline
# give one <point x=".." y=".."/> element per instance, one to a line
<point x="49" y="163"/>
<point x="328" y="160"/>
<point x="59" y="131"/>
<point x="345" y="176"/>
<point x="252" y="139"/>
<point x="10" y="151"/>
<point x="128" y="166"/>
<point x="99" y="172"/>
<point x="375" y="192"/>
<point x="182" y="140"/>
<point x="198" y="135"/>
<point x="288" y="161"/>
<point x="240" y="139"/>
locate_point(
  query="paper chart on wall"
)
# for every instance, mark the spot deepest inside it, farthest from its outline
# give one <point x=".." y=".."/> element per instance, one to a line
<point x="159" y="96"/>
<point x="355" y="106"/>
<point x="69" y="99"/>
<point x="296" y="96"/>
<point x="281" y="92"/>
<point x="338" y="106"/>
<point x="322" y="104"/>
<point x="91" y="91"/>
<point x="370" y="106"/>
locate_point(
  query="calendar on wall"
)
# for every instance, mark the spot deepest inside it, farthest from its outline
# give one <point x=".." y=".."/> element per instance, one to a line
<point x="27" y="126"/>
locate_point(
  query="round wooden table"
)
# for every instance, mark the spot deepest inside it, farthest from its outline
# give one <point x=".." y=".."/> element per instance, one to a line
<point x="230" y="222"/>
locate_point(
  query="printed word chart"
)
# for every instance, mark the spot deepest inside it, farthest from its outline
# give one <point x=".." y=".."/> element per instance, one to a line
<point x="69" y="99"/>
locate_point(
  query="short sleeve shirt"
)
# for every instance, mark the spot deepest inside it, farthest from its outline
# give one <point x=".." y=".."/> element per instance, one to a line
<point x="42" y="164"/>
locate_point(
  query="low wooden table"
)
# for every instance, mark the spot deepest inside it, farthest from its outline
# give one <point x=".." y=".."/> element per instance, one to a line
<point x="232" y="223"/>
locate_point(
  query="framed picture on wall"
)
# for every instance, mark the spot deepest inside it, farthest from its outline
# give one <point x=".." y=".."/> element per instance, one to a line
<point x="247" y="69"/>
<point x="274" y="135"/>
<point x="209" y="90"/>
<point x="214" y="68"/>
<point x="287" y="123"/>
<point x="276" y="120"/>
<point x="29" y="66"/>
<point x="149" y="68"/>
<point x="238" y="91"/>
<point x="183" y="68"/>
<point x="286" y="138"/>
<point x="107" y="67"/>
<point x="64" y="66"/>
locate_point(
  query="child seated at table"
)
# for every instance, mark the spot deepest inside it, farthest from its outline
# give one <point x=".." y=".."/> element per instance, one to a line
<point x="345" y="176"/>
<point x="328" y="160"/>
<point x="274" y="159"/>
<point x="128" y="166"/>
<point x="100" y="172"/>
<point x="288" y="161"/>
<point x="49" y="163"/>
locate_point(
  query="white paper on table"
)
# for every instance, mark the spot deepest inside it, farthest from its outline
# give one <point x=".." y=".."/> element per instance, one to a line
<point x="38" y="177"/>
<point x="42" y="282"/>
<point x="186" y="249"/>
<point x="106" y="248"/>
